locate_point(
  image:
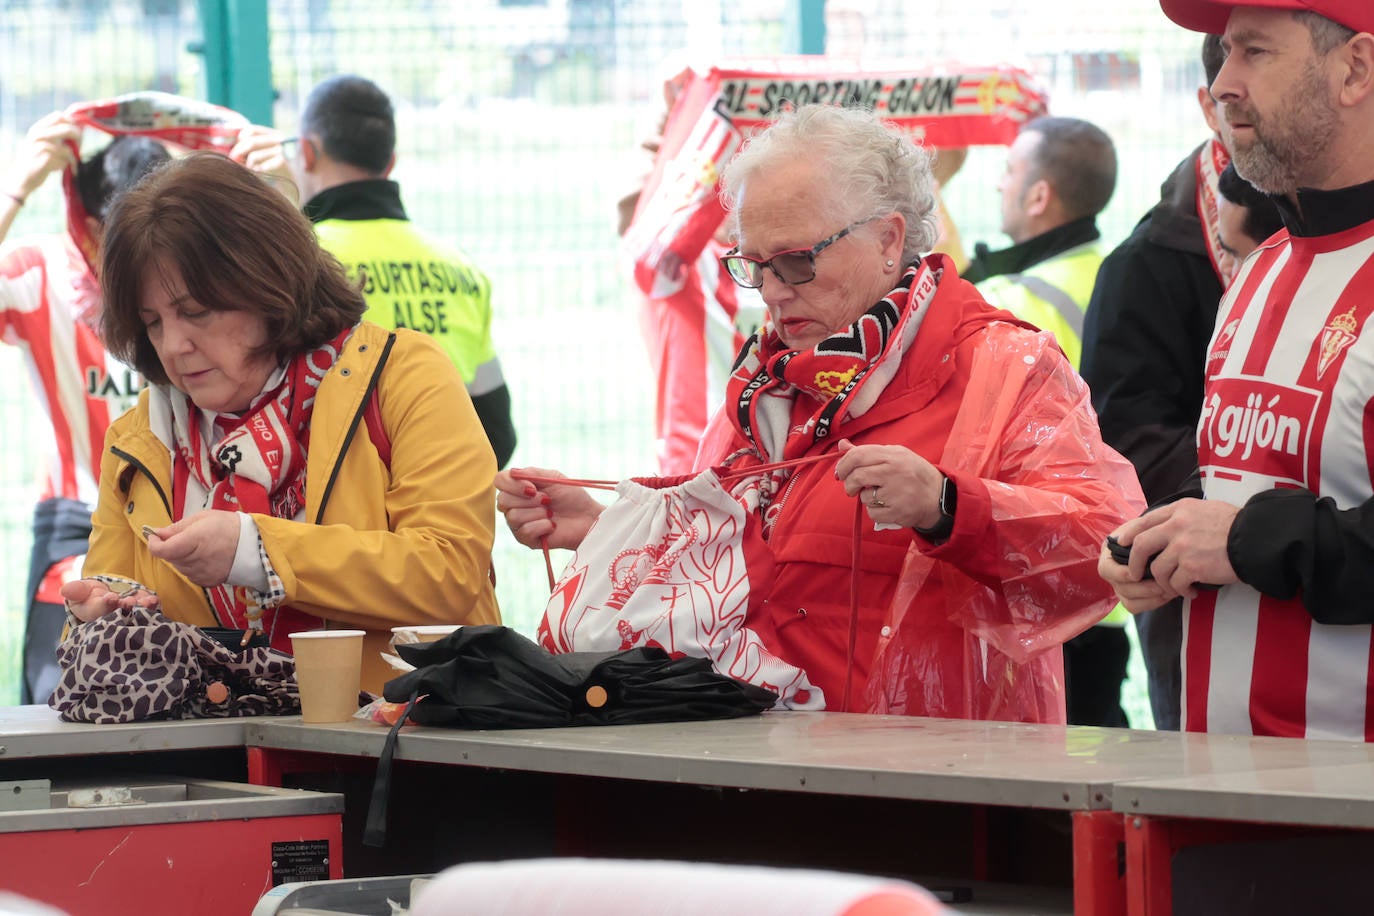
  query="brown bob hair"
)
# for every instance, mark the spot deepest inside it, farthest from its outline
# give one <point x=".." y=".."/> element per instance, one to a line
<point x="238" y="245"/>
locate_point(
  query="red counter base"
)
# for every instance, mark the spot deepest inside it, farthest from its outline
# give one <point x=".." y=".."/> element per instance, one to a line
<point x="202" y="867"/>
<point x="1099" y="880"/>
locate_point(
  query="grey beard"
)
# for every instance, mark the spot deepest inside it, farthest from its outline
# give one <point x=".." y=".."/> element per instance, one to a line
<point x="1259" y="166"/>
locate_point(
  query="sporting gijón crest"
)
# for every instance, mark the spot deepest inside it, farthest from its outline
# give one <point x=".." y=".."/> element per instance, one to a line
<point x="1339" y="333"/>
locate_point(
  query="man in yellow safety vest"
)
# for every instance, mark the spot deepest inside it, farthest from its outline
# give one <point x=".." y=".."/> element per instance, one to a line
<point x="1060" y="174"/>
<point x="340" y="163"/>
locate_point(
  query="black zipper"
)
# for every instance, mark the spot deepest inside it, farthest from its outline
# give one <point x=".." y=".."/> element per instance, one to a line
<point x="353" y="427"/>
<point x="140" y="466"/>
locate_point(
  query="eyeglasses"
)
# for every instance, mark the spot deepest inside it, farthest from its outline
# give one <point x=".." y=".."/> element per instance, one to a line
<point x="793" y="267"/>
<point x="289" y="147"/>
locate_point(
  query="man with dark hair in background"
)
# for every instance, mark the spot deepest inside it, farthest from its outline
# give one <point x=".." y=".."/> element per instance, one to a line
<point x="50" y="307"/>
<point x="1144" y="350"/>
<point x="346" y="151"/>
<point x="1246" y="217"/>
<point x="1060" y="174"/>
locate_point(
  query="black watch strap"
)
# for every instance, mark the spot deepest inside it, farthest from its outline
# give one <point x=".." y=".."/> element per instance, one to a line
<point x="942" y="529"/>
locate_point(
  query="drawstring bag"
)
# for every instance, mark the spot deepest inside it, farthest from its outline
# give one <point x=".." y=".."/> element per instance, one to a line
<point x="133" y="665"/>
<point x="677" y="563"/>
<point x="698" y="564"/>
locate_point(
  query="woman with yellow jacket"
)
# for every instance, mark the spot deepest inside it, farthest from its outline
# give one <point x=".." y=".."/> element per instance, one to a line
<point x="290" y="467"/>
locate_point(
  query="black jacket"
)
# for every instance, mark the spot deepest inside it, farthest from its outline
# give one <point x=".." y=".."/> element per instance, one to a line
<point x="1145" y="338"/>
<point x="1022" y="256"/>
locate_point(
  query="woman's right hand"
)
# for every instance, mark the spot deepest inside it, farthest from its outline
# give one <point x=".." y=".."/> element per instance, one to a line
<point x="45" y="150"/>
<point x="562" y="513"/>
<point x="263" y="150"/>
<point x="88" y="599"/>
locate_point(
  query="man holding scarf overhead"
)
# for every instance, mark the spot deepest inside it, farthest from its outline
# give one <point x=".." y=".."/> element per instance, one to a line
<point x="49" y="308"/>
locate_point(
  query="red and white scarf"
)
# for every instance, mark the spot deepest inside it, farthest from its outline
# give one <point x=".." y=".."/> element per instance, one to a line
<point x="1211" y="162"/>
<point x="256" y="462"/>
<point x="844" y="374"/>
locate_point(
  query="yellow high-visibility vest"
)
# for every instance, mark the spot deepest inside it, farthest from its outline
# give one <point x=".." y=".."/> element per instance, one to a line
<point x="413" y="281"/>
<point x="1052" y="295"/>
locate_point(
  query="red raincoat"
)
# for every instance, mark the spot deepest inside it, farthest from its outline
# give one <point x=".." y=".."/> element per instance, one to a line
<point x="970" y="628"/>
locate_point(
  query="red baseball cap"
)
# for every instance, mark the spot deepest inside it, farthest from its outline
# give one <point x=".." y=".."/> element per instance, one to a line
<point x="1210" y="15"/>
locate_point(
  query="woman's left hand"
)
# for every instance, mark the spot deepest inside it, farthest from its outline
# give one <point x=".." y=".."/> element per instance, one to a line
<point x="88" y="599"/>
<point x="898" y="486"/>
<point x="201" y="547"/>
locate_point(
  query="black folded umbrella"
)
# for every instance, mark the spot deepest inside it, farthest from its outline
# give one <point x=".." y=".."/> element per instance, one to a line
<point x="492" y="677"/>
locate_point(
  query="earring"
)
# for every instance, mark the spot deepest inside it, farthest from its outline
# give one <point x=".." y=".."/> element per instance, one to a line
<point x="890" y="262"/>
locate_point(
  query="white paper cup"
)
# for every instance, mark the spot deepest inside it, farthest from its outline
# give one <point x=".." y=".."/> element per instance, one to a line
<point x="329" y="670"/>
<point x="402" y="635"/>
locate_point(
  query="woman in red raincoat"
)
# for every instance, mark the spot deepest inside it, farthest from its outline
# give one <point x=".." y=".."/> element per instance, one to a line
<point x="964" y="433"/>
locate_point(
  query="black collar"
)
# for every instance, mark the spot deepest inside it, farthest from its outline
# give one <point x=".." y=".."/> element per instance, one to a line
<point x="1327" y="212"/>
<point x="1032" y="251"/>
<point x="373" y="198"/>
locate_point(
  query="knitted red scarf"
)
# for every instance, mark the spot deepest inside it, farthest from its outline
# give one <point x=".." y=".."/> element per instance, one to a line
<point x="843" y="374"/>
<point x="256" y="464"/>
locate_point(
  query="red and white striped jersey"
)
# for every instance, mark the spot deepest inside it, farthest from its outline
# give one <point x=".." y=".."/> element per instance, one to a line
<point x="45" y="289"/>
<point x="1289" y="402"/>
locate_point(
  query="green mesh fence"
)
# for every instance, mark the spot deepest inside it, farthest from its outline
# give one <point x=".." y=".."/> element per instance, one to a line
<point x="519" y="128"/>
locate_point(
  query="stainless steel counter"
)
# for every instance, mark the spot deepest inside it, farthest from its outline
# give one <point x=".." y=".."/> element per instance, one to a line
<point x="1098" y="774"/>
<point x="1226" y="777"/>
<point x="890" y="757"/>
<point x="36" y="731"/>
<point x="1339" y="795"/>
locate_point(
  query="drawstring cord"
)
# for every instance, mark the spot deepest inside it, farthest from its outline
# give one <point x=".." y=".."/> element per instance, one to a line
<point x="569" y="481"/>
<point x="728" y="475"/>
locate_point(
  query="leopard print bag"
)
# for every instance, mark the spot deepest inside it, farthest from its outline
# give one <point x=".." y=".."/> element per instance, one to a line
<point x="134" y="664"/>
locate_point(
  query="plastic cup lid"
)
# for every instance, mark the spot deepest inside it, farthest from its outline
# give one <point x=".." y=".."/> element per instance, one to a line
<point x="327" y="634"/>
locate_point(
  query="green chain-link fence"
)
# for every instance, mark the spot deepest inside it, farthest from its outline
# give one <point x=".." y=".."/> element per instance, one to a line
<point x="519" y="127"/>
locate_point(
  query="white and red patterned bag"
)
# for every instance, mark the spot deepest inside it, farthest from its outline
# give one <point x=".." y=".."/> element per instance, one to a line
<point x="697" y="567"/>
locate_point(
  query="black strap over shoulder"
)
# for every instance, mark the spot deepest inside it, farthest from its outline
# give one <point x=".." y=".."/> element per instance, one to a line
<point x="358" y="417"/>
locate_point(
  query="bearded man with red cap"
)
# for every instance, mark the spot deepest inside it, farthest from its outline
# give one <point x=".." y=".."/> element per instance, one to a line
<point x="1276" y="564"/>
